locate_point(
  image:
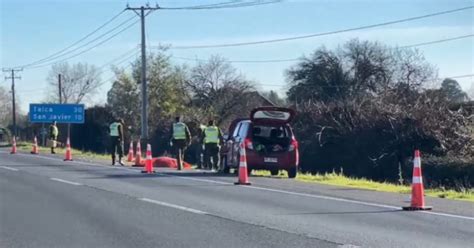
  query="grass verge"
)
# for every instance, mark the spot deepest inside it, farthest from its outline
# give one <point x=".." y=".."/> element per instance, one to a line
<point x="27" y="147"/>
<point x="362" y="183"/>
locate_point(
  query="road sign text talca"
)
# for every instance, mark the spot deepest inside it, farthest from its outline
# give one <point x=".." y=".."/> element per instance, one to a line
<point x="61" y="113"/>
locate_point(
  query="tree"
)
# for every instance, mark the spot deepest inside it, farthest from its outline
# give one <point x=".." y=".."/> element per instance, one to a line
<point x="364" y="107"/>
<point x="6" y="109"/>
<point x="124" y="100"/>
<point x="453" y="91"/>
<point x="78" y="82"/>
<point x="273" y="97"/>
<point x="166" y="97"/>
<point x="359" y="69"/>
<point x="218" y="90"/>
<point x="319" y="77"/>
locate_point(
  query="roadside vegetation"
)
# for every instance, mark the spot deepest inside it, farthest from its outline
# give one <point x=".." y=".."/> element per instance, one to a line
<point x="332" y="178"/>
<point x="338" y="179"/>
<point x="27" y="147"/>
<point x="363" y="107"/>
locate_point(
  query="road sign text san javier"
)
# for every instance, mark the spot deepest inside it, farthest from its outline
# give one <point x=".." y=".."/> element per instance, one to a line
<point x="61" y="113"/>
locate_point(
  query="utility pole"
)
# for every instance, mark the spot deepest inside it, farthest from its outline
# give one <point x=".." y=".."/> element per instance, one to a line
<point x="142" y="12"/>
<point x="13" y="77"/>
<point x="60" y="89"/>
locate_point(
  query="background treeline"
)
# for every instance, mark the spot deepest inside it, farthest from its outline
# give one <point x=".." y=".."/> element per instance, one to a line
<point x="362" y="109"/>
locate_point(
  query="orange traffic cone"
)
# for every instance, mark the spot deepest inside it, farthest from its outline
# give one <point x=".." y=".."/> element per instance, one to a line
<point x="148" y="162"/>
<point x="243" y="176"/>
<point x="13" y="151"/>
<point x="130" y="152"/>
<point x="68" y="156"/>
<point x="138" y="155"/>
<point x="34" y="150"/>
<point x="417" y="191"/>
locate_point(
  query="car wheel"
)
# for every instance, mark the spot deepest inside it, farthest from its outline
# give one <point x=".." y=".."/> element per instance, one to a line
<point x="274" y="172"/>
<point x="292" y="172"/>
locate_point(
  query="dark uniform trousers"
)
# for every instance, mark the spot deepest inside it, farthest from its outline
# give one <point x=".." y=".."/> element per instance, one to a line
<point x="179" y="147"/>
<point x="211" y="150"/>
<point x="116" y="147"/>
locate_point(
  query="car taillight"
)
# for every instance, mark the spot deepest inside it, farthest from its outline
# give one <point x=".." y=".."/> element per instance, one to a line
<point x="248" y="144"/>
<point x="293" y="145"/>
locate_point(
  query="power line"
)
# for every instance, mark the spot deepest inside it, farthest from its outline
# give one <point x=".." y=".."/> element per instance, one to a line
<point x="324" y="33"/>
<point x="89" y="42"/>
<point x="241" y="61"/>
<point x="75" y="43"/>
<point x="298" y="59"/>
<point x="204" y="6"/>
<point x="438" y="41"/>
<point x="116" y="61"/>
<point x="132" y="51"/>
<point x="462" y="76"/>
<point x="88" y="49"/>
<point x="228" y="5"/>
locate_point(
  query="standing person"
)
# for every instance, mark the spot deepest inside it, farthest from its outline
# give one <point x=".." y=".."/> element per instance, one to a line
<point x="53" y="136"/>
<point x="212" y="138"/>
<point x="180" y="139"/>
<point x="116" y="136"/>
<point x="200" y="149"/>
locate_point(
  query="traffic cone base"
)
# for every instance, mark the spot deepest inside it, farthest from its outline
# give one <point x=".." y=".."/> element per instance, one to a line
<point x="13" y="151"/>
<point x="239" y="183"/>
<point x="410" y="208"/>
<point x="68" y="155"/>
<point x="243" y="172"/>
<point x="34" y="150"/>
<point x="417" y="189"/>
<point x="138" y="155"/>
<point x="148" y="162"/>
<point x="130" y="152"/>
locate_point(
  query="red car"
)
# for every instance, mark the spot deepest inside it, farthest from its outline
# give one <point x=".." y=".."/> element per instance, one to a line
<point x="268" y="139"/>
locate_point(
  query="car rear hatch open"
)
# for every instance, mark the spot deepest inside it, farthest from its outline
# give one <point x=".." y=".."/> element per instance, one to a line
<point x="272" y="115"/>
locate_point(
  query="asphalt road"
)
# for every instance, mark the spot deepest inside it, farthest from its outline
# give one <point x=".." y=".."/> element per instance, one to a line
<point x="45" y="202"/>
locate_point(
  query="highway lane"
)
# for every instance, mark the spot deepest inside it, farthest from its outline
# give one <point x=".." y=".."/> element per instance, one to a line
<point x="38" y="211"/>
<point x="296" y="213"/>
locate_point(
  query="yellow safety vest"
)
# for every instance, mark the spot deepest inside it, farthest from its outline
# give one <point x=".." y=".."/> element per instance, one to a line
<point x="114" y="129"/>
<point x="179" y="131"/>
<point x="54" y="131"/>
<point x="212" y="135"/>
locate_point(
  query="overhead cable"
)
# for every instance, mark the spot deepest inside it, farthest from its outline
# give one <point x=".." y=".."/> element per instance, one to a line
<point x="324" y="33"/>
<point x="75" y="43"/>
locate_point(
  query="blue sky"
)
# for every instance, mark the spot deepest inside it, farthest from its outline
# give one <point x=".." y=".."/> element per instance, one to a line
<point x="32" y="30"/>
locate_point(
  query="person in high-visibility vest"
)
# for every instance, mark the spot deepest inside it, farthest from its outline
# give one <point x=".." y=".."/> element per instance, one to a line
<point x="199" y="152"/>
<point x="180" y="139"/>
<point x="211" y="138"/>
<point x="53" y="136"/>
<point x="116" y="139"/>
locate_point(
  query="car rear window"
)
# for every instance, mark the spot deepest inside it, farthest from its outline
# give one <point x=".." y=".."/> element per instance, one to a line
<point x="271" y="132"/>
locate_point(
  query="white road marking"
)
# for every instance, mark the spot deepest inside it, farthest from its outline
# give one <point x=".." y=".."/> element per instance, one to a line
<point x="173" y="206"/>
<point x="197" y="179"/>
<point x="449" y="215"/>
<point x="9" y="168"/>
<point x="65" y="181"/>
<point x="283" y="191"/>
<point x="326" y="197"/>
